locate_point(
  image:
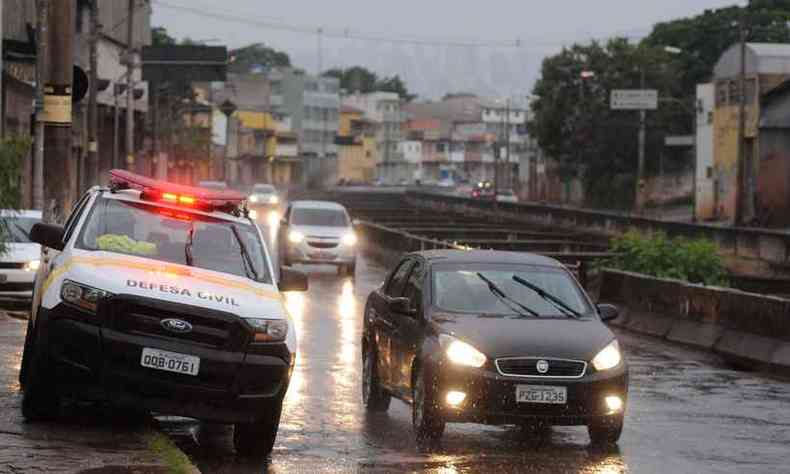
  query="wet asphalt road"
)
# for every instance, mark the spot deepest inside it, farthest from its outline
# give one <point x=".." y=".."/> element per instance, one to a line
<point x="686" y="413"/>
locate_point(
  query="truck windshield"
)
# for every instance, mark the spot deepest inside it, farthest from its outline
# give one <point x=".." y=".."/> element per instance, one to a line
<point x="159" y="233"/>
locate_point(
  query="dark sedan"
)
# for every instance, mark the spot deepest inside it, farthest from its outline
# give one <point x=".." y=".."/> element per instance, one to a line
<point x="494" y="338"/>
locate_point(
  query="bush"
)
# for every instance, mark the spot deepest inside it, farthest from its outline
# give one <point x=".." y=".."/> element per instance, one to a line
<point x="12" y="150"/>
<point x="695" y="261"/>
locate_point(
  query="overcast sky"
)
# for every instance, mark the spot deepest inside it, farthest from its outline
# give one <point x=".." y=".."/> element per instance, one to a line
<point x="540" y="26"/>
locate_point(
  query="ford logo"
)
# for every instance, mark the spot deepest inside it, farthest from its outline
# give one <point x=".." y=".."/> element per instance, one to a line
<point x="542" y="366"/>
<point x="176" y="325"/>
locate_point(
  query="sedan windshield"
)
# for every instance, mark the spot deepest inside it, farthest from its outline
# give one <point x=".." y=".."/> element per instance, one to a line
<point x="17" y="229"/>
<point x="320" y="217"/>
<point x="174" y="236"/>
<point x="460" y="289"/>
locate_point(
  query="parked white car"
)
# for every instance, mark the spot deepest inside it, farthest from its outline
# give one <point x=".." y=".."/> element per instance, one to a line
<point x="506" y="195"/>
<point x="18" y="265"/>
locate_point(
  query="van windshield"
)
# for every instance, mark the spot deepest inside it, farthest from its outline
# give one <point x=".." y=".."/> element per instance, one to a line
<point x="17" y="229"/>
<point x="174" y="236"/>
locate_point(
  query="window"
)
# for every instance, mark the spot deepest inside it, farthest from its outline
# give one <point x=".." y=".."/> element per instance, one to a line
<point x="398" y="281"/>
<point x="75" y="216"/>
<point x="17" y="227"/>
<point x="413" y="289"/>
<point x="722" y="91"/>
<point x="159" y="233"/>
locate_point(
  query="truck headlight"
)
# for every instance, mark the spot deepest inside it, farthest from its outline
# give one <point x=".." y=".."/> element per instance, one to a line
<point x="609" y="358"/>
<point x="82" y="296"/>
<point x="350" y="239"/>
<point x="32" y="266"/>
<point x="269" y="330"/>
<point x="461" y="353"/>
<point x="295" y="237"/>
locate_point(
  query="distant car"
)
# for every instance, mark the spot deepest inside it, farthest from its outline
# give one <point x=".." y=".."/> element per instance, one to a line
<point x="318" y="232"/>
<point x="446" y="183"/>
<point x="494" y="338"/>
<point x="20" y="262"/>
<point x="483" y="190"/>
<point x="264" y="195"/>
<point x="506" y="195"/>
<point x="213" y="185"/>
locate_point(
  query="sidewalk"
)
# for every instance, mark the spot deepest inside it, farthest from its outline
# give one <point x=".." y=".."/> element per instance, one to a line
<point x="85" y="439"/>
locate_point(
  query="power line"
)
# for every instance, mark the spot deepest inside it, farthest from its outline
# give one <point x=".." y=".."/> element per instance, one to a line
<point x="339" y="33"/>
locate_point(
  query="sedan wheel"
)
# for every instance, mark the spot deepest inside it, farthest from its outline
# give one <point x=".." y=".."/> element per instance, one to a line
<point x="426" y="420"/>
<point x="373" y="395"/>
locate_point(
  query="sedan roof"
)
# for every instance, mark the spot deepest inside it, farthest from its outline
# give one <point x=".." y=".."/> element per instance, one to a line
<point x="487" y="256"/>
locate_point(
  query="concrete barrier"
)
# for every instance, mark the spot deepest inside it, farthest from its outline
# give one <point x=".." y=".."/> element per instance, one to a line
<point x="746" y="329"/>
<point x="748" y="250"/>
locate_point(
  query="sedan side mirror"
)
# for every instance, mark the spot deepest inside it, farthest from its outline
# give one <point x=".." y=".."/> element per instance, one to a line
<point x="48" y="235"/>
<point x="292" y="280"/>
<point x="608" y="312"/>
<point x="401" y="306"/>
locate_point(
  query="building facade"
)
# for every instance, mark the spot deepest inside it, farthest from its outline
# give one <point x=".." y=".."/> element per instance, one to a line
<point x="313" y="104"/>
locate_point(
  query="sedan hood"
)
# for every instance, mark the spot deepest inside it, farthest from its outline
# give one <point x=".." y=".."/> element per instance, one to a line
<point x="495" y="336"/>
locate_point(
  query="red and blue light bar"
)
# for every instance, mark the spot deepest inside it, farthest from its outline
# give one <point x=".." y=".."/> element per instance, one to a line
<point x="178" y="194"/>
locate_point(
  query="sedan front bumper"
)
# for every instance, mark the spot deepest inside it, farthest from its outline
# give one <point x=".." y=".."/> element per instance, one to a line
<point x="491" y="397"/>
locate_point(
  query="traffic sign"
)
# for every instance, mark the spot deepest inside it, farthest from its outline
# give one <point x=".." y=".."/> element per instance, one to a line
<point x="634" y="99"/>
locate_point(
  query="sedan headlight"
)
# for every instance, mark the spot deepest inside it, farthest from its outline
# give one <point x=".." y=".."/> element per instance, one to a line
<point x="295" y="237"/>
<point x="82" y="296"/>
<point x="269" y="330"/>
<point x="32" y="266"/>
<point x="274" y="200"/>
<point x="253" y="198"/>
<point x="460" y="353"/>
<point x="350" y="239"/>
<point x="609" y="358"/>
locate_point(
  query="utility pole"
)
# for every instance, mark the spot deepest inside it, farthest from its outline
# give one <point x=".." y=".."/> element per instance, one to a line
<point x="57" y="110"/>
<point x="640" y="172"/>
<point x="508" y="171"/>
<point x="740" y="164"/>
<point x="92" y="166"/>
<point x="41" y="64"/>
<point x="130" y="86"/>
<point x="2" y="101"/>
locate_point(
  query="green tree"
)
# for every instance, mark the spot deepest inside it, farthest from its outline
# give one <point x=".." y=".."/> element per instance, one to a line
<point x="160" y="37"/>
<point x="12" y="151"/>
<point x="257" y="54"/>
<point x="363" y="80"/>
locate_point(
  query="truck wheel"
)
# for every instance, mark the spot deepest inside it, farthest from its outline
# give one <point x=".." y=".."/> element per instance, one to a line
<point x="27" y="354"/>
<point x="426" y="420"/>
<point x="40" y="400"/>
<point x="607" y="432"/>
<point x="257" y="439"/>
<point x="374" y="397"/>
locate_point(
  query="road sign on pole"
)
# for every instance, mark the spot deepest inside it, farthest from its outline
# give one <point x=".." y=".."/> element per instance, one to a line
<point x="634" y="99"/>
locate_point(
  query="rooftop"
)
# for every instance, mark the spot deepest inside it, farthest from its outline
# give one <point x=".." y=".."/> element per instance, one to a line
<point x="761" y="58"/>
<point x="488" y="256"/>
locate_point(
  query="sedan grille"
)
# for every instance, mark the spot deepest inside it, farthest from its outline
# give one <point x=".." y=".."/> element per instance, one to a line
<point x="528" y="367"/>
<point x="322" y="245"/>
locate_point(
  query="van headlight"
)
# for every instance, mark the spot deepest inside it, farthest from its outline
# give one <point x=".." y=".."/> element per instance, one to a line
<point x="609" y="358"/>
<point x="295" y="237"/>
<point x="32" y="266"/>
<point x="461" y="353"/>
<point x="349" y="239"/>
<point x="269" y="330"/>
<point x="274" y="200"/>
<point x="253" y="199"/>
<point x="82" y="296"/>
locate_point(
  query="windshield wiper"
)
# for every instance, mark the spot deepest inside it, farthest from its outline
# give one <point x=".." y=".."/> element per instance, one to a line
<point x="249" y="267"/>
<point x="505" y="298"/>
<point x="558" y="303"/>
<point x="188" y="247"/>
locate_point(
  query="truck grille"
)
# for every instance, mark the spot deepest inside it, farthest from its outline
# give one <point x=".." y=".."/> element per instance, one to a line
<point x="528" y="367"/>
<point x="209" y="330"/>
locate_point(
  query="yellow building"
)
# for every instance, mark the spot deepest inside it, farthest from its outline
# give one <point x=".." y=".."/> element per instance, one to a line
<point x="766" y="68"/>
<point x="356" y="144"/>
<point x="267" y="148"/>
